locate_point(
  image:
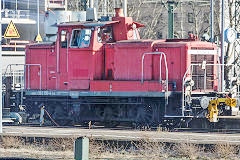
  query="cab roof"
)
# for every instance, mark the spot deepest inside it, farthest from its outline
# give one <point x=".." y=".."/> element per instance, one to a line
<point x="87" y="23"/>
<point x="93" y="24"/>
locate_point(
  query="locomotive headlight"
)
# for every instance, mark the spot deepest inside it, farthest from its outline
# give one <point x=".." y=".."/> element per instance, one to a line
<point x="4" y="88"/>
<point x="227" y="107"/>
<point x="204" y="102"/>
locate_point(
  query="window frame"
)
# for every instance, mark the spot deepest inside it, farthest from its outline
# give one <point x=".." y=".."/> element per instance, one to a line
<point x="63" y="39"/>
<point x="105" y="34"/>
<point x="83" y="36"/>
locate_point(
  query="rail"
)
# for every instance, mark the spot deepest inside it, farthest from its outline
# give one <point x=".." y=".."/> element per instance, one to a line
<point x="14" y="45"/>
<point x="160" y="71"/>
<point x="17" y="76"/>
<point x="188" y="74"/>
<point x="18" y="14"/>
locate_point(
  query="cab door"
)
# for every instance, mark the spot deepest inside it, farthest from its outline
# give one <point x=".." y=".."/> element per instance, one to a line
<point x="62" y="60"/>
<point x="51" y="70"/>
<point x="80" y="55"/>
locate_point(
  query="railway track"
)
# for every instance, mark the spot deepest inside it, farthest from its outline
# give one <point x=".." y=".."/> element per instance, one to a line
<point x="119" y="134"/>
<point x="210" y="131"/>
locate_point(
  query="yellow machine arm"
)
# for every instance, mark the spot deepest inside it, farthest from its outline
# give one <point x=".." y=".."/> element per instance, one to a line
<point x="215" y="103"/>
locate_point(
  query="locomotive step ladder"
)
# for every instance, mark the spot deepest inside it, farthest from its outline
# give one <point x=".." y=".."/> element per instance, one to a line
<point x="188" y="84"/>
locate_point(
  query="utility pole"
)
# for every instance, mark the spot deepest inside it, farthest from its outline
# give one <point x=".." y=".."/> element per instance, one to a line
<point x="91" y="4"/>
<point x="222" y="46"/>
<point x="1" y="107"/>
<point x="38" y="16"/>
<point x="212" y="20"/>
<point x="125" y="7"/>
<point x="171" y="6"/>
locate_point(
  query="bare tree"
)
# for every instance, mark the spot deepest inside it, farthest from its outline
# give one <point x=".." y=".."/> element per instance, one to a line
<point x="198" y="17"/>
<point x="77" y="5"/>
<point x="150" y="14"/>
<point x="154" y="16"/>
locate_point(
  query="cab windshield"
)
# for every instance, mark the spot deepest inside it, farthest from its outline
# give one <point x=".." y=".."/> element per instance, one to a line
<point x="80" y="38"/>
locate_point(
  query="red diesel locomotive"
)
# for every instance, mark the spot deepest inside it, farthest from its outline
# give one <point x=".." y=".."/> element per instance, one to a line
<point x="101" y="71"/>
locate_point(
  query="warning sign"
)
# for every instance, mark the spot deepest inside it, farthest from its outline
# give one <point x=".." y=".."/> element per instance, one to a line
<point x="11" y="31"/>
<point x="38" y="38"/>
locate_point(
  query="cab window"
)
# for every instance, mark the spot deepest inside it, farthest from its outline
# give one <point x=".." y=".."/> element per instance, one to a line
<point x="63" y="39"/>
<point x="105" y="34"/>
<point x="80" y="38"/>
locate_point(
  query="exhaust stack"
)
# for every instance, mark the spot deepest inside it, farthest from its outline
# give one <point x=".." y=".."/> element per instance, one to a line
<point x="119" y="12"/>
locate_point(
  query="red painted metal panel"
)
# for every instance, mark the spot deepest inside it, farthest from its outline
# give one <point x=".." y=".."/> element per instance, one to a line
<point x="176" y="61"/>
<point x="79" y="69"/>
<point x="98" y="64"/>
<point x="128" y="60"/>
<point x="76" y="84"/>
<point x="109" y="62"/>
<point x="124" y="30"/>
<point x="40" y="66"/>
<point x="126" y="86"/>
<point x="178" y="58"/>
<point x="121" y="27"/>
<point x="36" y="71"/>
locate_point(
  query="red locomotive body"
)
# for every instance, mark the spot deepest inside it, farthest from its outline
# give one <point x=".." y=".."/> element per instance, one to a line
<point x="118" y="64"/>
<point x="103" y="71"/>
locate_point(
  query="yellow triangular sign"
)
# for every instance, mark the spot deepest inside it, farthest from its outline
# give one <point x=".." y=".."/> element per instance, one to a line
<point x="38" y="38"/>
<point x="11" y="31"/>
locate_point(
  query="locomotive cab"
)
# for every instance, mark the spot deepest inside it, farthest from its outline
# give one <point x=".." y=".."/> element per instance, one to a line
<point x="80" y="51"/>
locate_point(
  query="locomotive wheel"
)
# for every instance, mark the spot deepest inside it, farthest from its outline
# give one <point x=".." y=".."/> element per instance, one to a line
<point x="111" y="124"/>
<point x="145" y="115"/>
<point x="108" y="115"/>
<point x="60" y="115"/>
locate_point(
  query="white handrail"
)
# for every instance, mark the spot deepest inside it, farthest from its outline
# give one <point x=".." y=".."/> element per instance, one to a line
<point x="160" y="70"/>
